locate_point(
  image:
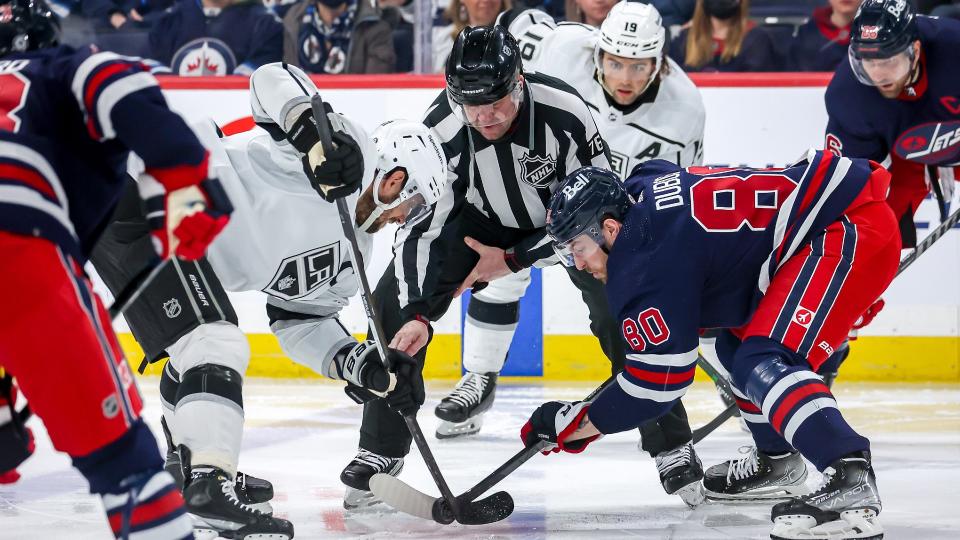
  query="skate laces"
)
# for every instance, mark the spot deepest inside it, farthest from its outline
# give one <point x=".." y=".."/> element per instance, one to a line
<point x="469" y="391"/>
<point x="745" y="466"/>
<point x="376" y="461"/>
<point x="672" y="459"/>
<point x="227" y="487"/>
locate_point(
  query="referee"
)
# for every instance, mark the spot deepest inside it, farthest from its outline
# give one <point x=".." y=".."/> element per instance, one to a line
<point x="509" y="138"/>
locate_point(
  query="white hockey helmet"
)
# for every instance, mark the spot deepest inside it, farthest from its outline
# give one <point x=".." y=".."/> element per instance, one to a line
<point x="632" y="30"/>
<point x="410" y="146"/>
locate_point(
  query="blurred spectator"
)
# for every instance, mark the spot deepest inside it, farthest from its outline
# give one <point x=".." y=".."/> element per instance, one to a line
<point x="279" y="7"/>
<point x="338" y="36"/>
<point x="399" y="14"/>
<point x="674" y="12"/>
<point x="722" y="38"/>
<point x="134" y="14"/>
<point x="216" y="37"/>
<point x="821" y="43"/>
<point x="463" y="13"/>
<point x="591" y="12"/>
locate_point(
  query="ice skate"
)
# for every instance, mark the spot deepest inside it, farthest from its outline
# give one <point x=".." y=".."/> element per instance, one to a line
<point x="212" y="500"/>
<point x="757" y="476"/>
<point x="680" y="473"/>
<point x="845" y="507"/>
<point x="462" y="411"/>
<point x="252" y="491"/>
<point x="356" y="475"/>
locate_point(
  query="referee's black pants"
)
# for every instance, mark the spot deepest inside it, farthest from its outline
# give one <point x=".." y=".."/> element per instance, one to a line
<point x="384" y="431"/>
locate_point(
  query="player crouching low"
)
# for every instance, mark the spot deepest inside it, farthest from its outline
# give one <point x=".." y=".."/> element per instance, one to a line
<point x="787" y="258"/>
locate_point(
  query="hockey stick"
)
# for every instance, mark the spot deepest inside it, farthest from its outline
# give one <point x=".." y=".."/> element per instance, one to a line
<point x="924" y="245"/>
<point x="496" y="507"/>
<point x="326" y="142"/>
<point x="126" y="297"/>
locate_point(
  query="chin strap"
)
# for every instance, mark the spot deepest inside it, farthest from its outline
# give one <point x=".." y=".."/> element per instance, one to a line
<point x="377" y="212"/>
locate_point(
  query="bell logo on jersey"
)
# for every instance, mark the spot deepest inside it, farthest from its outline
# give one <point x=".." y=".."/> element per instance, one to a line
<point x="537" y="171"/>
<point x="301" y="274"/>
<point x="934" y="143"/>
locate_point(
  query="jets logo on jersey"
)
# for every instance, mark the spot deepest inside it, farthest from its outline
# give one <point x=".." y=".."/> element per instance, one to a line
<point x="301" y="274"/>
<point x="204" y="56"/>
<point x="537" y="171"/>
<point x="931" y="144"/>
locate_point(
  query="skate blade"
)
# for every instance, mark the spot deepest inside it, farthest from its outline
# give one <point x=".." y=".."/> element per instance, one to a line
<point x="782" y="493"/>
<point x="857" y="524"/>
<point x="451" y="430"/>
<point x="358" y="500"/>
<point x="692" y="494"/>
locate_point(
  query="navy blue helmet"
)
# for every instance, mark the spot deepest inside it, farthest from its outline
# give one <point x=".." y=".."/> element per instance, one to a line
<point x="585" y="198"/>
<point x="882" y="28"/>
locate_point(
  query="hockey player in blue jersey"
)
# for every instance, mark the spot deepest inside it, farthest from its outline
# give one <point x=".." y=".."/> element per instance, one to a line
<point x="899" y="96"/>
<point x="68" y="120"/>
<point x="786" y="259"/>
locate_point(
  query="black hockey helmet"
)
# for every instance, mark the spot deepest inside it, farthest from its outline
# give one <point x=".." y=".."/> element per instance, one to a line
<point x="26" y="25"/>
<point x="579" y="206"/>
<point x="882" y="29"/>
<point x="484" y="65"/>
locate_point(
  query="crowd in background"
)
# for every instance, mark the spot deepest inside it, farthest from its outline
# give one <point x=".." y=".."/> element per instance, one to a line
<point x="221" y="37"/>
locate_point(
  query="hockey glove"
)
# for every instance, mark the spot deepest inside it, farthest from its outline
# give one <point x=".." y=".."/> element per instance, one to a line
<point x="335" y="175"/>
<point x="361" y="366"/>
<point x="16" y="440"/>
<point x="185" y="221"/>
<point x="555" y="421"/>
<point x="408" y="395"/>
<point x="866" y="318"/>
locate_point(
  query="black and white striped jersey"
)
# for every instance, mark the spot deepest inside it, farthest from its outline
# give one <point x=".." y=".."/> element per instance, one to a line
<point x="509" y="181"/>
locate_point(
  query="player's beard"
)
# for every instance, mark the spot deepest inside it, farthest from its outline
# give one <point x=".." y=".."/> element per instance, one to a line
<point x="365" y="207"/>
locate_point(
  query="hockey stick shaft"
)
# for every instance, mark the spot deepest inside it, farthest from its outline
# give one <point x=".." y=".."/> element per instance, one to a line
<point x="924" y="245"/>
<point x="126" y="297"/>
<point x="518" y="459"/>
<point x="326" y="142"/>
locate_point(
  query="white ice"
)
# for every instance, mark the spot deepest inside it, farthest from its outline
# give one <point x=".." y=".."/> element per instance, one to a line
<point x="300" y="434"/>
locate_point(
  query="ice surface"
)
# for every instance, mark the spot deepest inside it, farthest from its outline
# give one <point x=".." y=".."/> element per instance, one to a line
<point x="300" y="434"/>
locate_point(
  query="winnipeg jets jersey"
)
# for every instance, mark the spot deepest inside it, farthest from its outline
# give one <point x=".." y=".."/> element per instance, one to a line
<point x="666" y="122"/>
<point x="283" y="238"/>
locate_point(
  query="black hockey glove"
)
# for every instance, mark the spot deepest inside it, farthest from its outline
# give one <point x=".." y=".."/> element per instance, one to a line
<point x="555" y="422"/>
<point x="361" y="366"/>
<point x="408" y="394"/>
<point x="336" y="174"/>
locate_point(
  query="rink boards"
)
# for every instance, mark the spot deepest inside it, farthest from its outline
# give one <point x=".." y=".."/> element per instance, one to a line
<point x="754" y="120"/>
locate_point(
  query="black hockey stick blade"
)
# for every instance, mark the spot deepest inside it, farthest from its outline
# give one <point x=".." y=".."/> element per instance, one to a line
<point x="496" y="507"/>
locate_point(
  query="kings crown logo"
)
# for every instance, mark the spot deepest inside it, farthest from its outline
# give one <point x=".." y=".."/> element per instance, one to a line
<point x="537" y="171"/>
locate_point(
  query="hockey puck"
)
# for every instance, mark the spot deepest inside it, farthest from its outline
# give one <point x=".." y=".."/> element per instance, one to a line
<point x="442" y="513"/>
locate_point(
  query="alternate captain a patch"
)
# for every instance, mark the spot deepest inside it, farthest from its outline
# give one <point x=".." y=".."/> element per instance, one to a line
<point x="537" y="171"/>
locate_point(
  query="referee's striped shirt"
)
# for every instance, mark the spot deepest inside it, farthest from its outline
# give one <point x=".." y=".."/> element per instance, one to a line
<point x="510" y="180"/>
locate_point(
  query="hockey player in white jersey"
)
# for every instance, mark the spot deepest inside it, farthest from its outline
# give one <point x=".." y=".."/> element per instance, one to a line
<point x="645" y="107"/>
<point x="288" y="243"/>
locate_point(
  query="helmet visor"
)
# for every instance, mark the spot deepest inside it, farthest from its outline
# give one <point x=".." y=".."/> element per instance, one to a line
<point x="414" y="210"/>
<point x="490" y="114"/>
<point x="881" y="71"/>
<point x="580" y="247"/>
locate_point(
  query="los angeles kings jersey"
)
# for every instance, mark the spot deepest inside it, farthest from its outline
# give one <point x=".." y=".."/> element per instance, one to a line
<point x="667" y="122"/>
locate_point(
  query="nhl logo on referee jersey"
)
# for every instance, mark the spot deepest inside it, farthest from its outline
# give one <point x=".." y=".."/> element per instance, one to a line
<point x="537" y="171"/>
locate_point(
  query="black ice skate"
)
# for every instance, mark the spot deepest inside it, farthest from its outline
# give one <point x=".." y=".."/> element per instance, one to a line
<point x="680" y="473"/>
<point x="356" y="475"/>
<point x="213" y="503"/>
<point x="462" y="410"/>
<point x="844" y="508"/>
<point x="252" y="491"/>
<point x="757" y="476"/>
